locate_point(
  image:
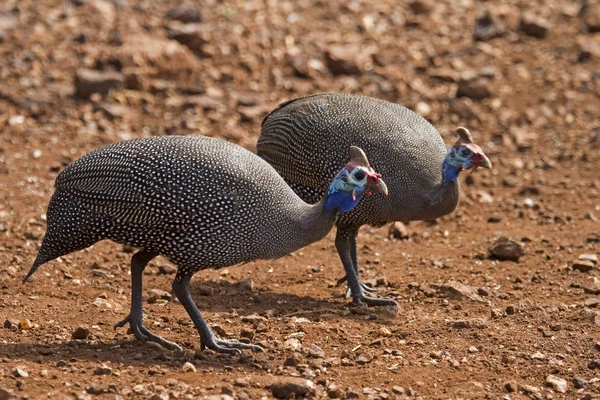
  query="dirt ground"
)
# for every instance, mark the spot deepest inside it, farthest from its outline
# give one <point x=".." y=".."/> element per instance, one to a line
<point x="524" y="79"/>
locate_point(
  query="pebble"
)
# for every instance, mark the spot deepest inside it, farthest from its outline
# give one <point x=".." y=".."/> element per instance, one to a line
<point x="398" y="231"/>
<point x="593" y="287"/>
<point x="589" y="257"/>
<point x="579" y="383"/>
<point x="242" y="382"/>
<point x="591" y="303"/>
<point x="289" y="388"/>
<point x="343" y="59"/>
<point x="292" y="361"/>
<point x="474" y="88"/>
<point x="81" y="332"/>
<point x="507" y="249"/>
<point x="459" y="291"/>
<point x="363" y="359"/>
<point x="487" y="27"/>
<point x="185" y="12"/>
<point x="89" y="81"/>
<point x="534" y="25"/>
<point x="96" y="388"/>
<point x="292" y="344"/>
<point x="188" y="367"/>
<point x="11" y="324"/>
<point x="334" y="391"/>
<point x="25" y="324"/>
<point x="160" y="396"/>
<point x="530" y="390"/>
<point x="583" y="266"/>
<point x="4" y="394"/>
<point x="103" y="370"/>
<point x="511" y="386"/>
<point x="473" y="349"/>
<point x="157" y="294"/>
<point x="315" y="351"/>
<point x="558" y="384"/>
<point x="19" y="372"/>
<point x="246" y="284"/>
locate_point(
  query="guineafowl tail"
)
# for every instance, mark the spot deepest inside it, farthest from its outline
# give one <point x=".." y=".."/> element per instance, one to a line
<point x="71" y="227"/>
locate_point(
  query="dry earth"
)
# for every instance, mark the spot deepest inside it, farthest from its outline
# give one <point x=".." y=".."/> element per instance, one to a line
<point x="523" y="76"/>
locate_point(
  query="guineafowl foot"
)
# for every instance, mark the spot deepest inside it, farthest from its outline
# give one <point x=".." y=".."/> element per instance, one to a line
<point x="181" y="287"/>
<point x="365" y="287"/>
<point x="229" y="346"/>
<point x="374" y="301"/>
<point x="144" y="335"/>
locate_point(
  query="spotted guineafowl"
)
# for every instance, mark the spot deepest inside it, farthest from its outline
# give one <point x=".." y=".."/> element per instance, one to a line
<point x="200" y="202"/>
<point x="301" y="139"/>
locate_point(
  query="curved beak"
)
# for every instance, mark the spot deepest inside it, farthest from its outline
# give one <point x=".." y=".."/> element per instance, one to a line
<point x="481" y="160"/>
<point x="377" y="186"/>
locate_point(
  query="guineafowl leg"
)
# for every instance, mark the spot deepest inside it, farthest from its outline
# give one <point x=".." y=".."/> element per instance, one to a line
<point x="352" y="234"/>
<point x="343" y="244"/>
<point x="181" y="287"/>
<point x="136" y="316"/>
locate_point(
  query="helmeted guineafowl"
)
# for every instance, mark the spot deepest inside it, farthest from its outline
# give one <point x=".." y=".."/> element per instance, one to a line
<point x="301" y="138"/>
<point x="200" y="202"/>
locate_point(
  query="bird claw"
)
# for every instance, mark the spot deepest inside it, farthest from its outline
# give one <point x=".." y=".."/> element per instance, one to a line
<point x="144" y="335"/>
<point x="232" y="346"/>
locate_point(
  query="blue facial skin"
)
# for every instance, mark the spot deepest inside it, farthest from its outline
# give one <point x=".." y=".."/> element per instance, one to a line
<point x="456" y="160"/>
<point x="344" y="196"/>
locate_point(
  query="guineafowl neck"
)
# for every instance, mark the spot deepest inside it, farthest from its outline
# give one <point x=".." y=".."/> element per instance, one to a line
<point x="317" y="221"/>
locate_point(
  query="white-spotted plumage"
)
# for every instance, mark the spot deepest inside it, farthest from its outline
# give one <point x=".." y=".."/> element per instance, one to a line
<point x="200" y="202"/>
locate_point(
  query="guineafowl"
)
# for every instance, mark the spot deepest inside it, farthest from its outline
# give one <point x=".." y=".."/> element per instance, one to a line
<point x="200" y="202"/>
<point x="301" y="139"/>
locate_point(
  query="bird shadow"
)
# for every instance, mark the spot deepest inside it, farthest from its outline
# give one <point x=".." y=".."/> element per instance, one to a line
<point x="211" y="296"/>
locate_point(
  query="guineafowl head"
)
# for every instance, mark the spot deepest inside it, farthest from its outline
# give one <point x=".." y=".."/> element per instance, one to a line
<point x="464" y="154"/>
<point x="353" y="181"/>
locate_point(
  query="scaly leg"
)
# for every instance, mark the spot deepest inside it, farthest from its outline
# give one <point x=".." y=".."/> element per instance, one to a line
<point x="353" y="235"/>
<point x="343" y="244"/>
<point x="181" y="287"/>
<point x="136" y="316"/>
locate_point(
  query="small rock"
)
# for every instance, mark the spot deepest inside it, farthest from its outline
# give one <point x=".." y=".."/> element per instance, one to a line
<point x="363" y="359"/>
<point x="292" y="361"/>
<point x="25" y="324"/>
<point x="538" y="356"/>
<point x="4" y="394"/>
<point x="96" y="388"/>
<point x="61" y="363"/>
<point x="558" y="384"/>
<point x="11" y="324"/>
<point x="189" y="35"/>
<point x="157" y="294"/>
<point x="529" y="390"/>
<point x="286" y="389"/>
<point x="507" y="249"/>
<point x="583" y="265"/>
<point x="590" y="15"/>
<point x="343" y="59"/>
<point x="334" y="391"/>
<point x="292" y="344"/>
<point x="593" y="287"/>
<point x="19" y="372"/>
<point x="479" y="323"/>
<point x="81" y="332"/>
<point x="591" y="303"/>
<point x="103" y="370"/>
<point x="252" y="318"/>
<point x="487" y="27"/>
<point x="385" y="332"/>
<point x="497" y="313"/>
<point x="160" y="396"/>
<point x="534" y="25"/>
<point x="511" y="386"/>
<point x="580" y="383"/>
<point x="185" y="12"/>
<point x="246" y="284"/>
<point x="166" y="269"/>
<point x="247" y="333"/>
<point x="476" y="88"/>
<point x="421" y="6"/>
<point x="510" y="310"/>
<point x="89" y="81"/>
<point x="315" y="351"/>
<point x="188" y="367"/>
<point x="473" y="349"/>
<point x="398" y="231"/>
<point x="242" y="382"/>
<point x="483" y="292"/>
<point x="589" y="257"/>
<point x="459" y="291"/>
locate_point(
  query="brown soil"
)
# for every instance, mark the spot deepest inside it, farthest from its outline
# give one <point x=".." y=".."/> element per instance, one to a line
<point x="531" y="102"/>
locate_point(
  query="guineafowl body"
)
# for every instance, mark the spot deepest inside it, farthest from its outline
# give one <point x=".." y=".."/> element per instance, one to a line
<point x="200" y="202"/>
<point x="301" y="138"/>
